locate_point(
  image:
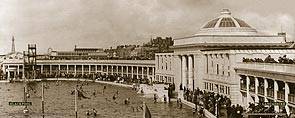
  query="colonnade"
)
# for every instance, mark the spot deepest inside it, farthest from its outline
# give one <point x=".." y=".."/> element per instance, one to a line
<point x="191" y="70"/>
<point x="138" y="71"/>
<point x="270" y="90"/>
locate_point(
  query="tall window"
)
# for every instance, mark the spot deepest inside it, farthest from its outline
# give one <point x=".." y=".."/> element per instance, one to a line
<point x="217" y="69"/>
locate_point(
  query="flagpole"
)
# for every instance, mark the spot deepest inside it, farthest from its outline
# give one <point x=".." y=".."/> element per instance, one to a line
<point x="42" y="99"/>
<point x="76" y="109"/>
<point x="144" y="109"/>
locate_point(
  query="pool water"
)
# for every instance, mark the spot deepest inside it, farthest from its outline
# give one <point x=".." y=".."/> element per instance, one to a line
<point x="59" y="102"/>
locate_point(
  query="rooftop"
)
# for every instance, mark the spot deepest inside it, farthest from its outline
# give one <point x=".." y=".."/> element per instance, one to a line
<point x="226" y="24"/>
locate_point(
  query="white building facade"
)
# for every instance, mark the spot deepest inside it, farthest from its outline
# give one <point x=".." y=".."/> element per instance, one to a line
<point x="211" y="59"/>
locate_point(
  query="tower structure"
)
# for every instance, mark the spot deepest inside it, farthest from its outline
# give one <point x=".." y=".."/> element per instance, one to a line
<point x="30" y="61"/>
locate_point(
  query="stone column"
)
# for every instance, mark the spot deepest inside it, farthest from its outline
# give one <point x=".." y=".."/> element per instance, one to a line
<point x="50" y="68"/>
<point x="112" y="71"/>
<point x="142" y="69"/>
<point x="256" y="89"/>
<point x="89" y="69"/>
<point x="82" y="69"/>
<point x="23" y="71"/>
<point x="41" y="69"/>
<point x="247" y="91"/>
<point x="177" y="70"/>
<point x="132" y="71"/>
<point x="190" y="72"/>
<point x="287" y="91"/>
<point x="265" y="89"/>
<point x="276" y="88"/>
<point x="8" y="74"/>
<point x="127" y="70"/>
<point x="122" y="69"/>
<point x="67" y="68"/>
<point x="147" y="73"/>
<point x="137" y="72"/>
<point x="184" y="72"/>
<point x="107" y="69"/>
<point x="75" y="70"/>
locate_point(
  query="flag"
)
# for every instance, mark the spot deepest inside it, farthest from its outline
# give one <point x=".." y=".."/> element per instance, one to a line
<point x="146" y="112"/>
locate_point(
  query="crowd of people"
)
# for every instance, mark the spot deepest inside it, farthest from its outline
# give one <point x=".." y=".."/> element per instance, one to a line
<point x="93" y="76"/>
<point x="216" y="104"/>
<point x="260" y="108"/>
<point x="269" y="59"/>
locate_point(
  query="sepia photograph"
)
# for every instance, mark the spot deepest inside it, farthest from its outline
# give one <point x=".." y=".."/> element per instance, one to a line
<point x="147" y="59"/>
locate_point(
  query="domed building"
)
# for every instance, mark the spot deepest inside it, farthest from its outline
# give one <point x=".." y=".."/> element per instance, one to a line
<point x="213" y="60"/>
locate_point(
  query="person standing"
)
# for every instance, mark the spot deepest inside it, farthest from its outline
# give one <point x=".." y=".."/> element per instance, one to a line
<point x="155" y="98"/>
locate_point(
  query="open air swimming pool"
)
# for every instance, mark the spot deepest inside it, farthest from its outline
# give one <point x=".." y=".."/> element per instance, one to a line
<point x="59" y="102"/>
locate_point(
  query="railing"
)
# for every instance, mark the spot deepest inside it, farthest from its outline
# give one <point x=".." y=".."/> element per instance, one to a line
<point x="276" y="67"/>
<point x="281" y="95"/>
<point x="291" y="98"/>
<point x="270" y="92"/>
<point x="261" y="90"/>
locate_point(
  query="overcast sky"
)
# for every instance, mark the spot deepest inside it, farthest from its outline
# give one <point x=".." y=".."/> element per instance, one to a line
<point x="61" y="24"/>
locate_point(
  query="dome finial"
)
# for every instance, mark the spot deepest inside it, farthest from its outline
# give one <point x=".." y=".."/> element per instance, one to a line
<point x="225" y="12"/>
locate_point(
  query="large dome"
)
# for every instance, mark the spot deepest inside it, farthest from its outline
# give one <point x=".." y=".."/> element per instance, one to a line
<point x="226" y="24"/>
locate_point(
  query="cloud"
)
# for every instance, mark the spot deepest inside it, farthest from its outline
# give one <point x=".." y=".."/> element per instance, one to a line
<point x="104" y="23"/>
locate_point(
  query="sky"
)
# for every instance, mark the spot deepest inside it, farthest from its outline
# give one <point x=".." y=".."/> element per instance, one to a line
<point x="62" y="24"/>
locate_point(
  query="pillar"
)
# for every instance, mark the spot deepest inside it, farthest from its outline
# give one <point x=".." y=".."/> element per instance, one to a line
<point x="265" y="89"/>
<point x="17" y="69"/>
<point x="190" y="72"/>
<point x="122" y="70"/>
<point x="132" y="71"/>
<point x="184" y="71"/>
<point x="107" y="69"/>
<point x="8" y="74"/>
<point x="287" y="91"/>
<point x="142" y="69"/>
<point x="276" y="88"/>
<point x="127" y="70"/>
<point x="256" y="90"/>
<point x="89" y="69"/>
<point x="23" y="71"/>
<point x="148" y="73"/>
<point x="50" y="69"/>
<point x="75" y="69"/>
<point x="176" y="69"/>
<point x="41" y="69"/>
<point x="82" y="69"/>
<point x="137" y="72"/>
<point x="67" y="68"/>
<point x="247" y="91"/>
